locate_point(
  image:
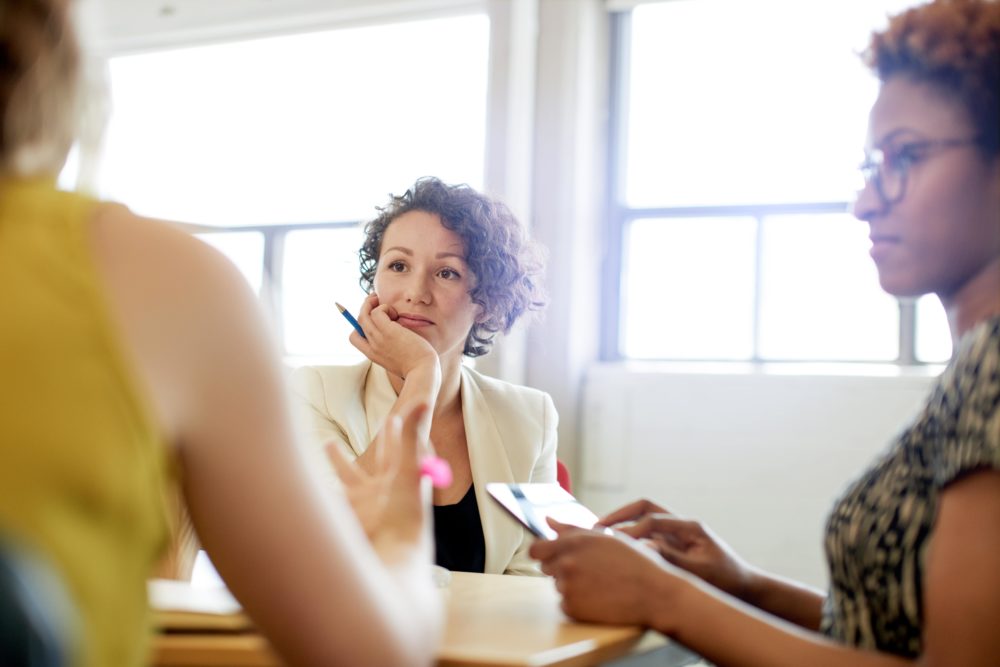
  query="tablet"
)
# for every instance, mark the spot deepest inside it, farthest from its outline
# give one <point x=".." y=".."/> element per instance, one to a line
<point x="530" y="504"/>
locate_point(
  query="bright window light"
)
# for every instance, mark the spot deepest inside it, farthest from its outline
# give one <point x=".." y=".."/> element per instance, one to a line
<point x="820" y="296"/>
<point x="735" y="102"/>
<point x="321" y="267"/>
<point x="933" y="335"/>
<point x="300" y="128"/>
<point x="756" y="114"/>
<point x="688" y="288"/>
<point x="245" y="250"/>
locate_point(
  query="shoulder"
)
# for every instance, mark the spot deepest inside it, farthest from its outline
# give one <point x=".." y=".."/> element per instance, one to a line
<point x="188" y="321"/>
<point x="966" y="407"/>
<point x="979" y="350"/>
<point x="176" y="268"/>
<point x="971" y="383"/>
<point x="523" y="414"/>
<point x="500" y="392"/>
<point x="331" y="384"/>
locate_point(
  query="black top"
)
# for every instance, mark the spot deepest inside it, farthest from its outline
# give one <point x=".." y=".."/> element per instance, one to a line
<point x="458" y="535"/>
<point x="877" y="535"/>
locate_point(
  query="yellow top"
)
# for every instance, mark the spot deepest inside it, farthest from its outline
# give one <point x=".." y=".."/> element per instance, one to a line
<point x="83" y="468"/>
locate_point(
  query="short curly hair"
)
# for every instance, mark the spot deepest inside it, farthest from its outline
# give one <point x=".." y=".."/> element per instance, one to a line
<point x="953" y="45"/>
<point x="507" y="265"/>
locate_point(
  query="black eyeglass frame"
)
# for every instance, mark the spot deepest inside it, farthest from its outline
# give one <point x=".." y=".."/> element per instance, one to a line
<point x="901" y="160"/>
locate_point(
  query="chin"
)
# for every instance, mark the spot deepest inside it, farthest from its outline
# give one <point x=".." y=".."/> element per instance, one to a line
<point x="902" y="286"/>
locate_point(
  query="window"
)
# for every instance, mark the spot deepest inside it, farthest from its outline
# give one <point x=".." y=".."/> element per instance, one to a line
<point x="280" y="146"/>
<point x="738" y="130"/>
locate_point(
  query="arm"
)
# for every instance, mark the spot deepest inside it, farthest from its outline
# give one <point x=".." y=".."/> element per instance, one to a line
<point x="697" y="549"/>
<point x="403" y="354"/>
<point x="544" y="470"/>
<point x="212" y="379"/>
<point x="608" y="579"/>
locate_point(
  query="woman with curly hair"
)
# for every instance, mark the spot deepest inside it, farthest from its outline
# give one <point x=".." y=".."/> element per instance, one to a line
<point x="446" y="268"/>
<point x="913" y="542"/>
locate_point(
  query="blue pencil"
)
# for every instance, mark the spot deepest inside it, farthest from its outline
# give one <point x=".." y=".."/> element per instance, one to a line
<point x="350" y="318"/>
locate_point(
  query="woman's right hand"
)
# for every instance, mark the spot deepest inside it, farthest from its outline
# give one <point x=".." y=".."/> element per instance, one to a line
<point x="388" y="343"/>
<point x="687" y="544"/>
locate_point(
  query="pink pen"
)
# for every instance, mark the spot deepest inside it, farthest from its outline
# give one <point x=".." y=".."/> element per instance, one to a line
<point x="438" y="470"/>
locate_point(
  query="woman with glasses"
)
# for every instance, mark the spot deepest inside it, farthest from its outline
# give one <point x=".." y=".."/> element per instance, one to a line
<point x="913" y="543"/>
<point x="134" y="360"/>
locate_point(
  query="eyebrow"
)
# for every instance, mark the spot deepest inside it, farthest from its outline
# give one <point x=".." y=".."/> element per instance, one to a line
<point x="896" y="133"/>
<point x="440" y="255"/>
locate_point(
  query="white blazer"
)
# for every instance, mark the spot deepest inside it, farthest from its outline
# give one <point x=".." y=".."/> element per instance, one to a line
<point x="511" y="432"/>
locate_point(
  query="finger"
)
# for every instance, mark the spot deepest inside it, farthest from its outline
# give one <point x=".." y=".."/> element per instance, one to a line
<point x="391" y="438"/>
<point x="370" y="303"/>
<point x="382" y="457"/>
<point x="413" y="441"/>
<point x="543" y="550"/>
<point x="346" y="470"/>
<point x="654" y="525"/>
<point x="629" y="512"/>
<point x="382" y="316"/>
<point x="563" y="528"/>
<point x="673" y="555"/>
<point x="360" y="342"/>
<point x="634" y="512"/>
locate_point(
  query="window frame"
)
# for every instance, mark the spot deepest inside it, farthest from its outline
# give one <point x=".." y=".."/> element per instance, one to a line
<point x="619" y="216"/>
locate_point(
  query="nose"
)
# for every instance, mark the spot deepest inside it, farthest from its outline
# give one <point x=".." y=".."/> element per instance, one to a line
<point x="417" y="288"/>
<point x="867" y="204"/>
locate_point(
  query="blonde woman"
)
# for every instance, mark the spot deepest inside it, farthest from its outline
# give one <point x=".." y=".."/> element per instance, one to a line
<point x="134" y="359"/>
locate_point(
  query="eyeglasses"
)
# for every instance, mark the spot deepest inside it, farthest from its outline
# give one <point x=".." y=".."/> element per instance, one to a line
<point x="887" y="168"/>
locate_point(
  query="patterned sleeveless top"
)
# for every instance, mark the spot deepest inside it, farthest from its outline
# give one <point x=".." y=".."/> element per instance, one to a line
<point x="82" y="466"/>
<point x="877" y="535"/>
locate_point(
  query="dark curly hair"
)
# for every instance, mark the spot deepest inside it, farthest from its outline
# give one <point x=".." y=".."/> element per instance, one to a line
<point x="953" y="45"/>
<point x="507" y="265"/>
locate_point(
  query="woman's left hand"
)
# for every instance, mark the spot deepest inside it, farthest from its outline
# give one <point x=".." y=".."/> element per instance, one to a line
<point x="606" y="578"/>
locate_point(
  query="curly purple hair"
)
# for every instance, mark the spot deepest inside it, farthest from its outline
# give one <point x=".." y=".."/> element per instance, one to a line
<point x="506" y="263"/>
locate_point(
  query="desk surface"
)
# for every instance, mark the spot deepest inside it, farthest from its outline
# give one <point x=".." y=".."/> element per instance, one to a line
<point x="492" y="621"/>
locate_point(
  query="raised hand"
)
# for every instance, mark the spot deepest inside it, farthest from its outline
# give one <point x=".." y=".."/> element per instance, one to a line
<point x="388" y="343"/>
<point x="391" y="499"/>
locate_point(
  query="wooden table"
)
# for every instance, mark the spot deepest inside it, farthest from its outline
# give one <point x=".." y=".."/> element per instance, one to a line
<point x="492" y="621"/>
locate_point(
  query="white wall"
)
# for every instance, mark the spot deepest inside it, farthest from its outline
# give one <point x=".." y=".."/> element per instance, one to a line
<point x="759" y="454"/>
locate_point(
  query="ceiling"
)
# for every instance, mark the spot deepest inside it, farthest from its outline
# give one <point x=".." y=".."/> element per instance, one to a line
<point x="131" y="25"/>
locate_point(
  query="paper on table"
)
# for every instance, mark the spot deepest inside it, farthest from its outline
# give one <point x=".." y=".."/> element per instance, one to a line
<point x="177" y="605"/>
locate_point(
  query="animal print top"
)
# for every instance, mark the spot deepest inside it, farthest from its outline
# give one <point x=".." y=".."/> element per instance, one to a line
<point x="879" y="530"/>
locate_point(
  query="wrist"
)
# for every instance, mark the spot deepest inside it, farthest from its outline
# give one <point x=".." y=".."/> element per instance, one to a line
<point x="424" y="377"/>
<point x="669" y="592"/>
<point x="409" y="547"/>
<point x="753" y="586"/>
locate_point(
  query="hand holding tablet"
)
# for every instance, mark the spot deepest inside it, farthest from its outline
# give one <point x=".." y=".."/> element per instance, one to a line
<point x="531" y="504"/>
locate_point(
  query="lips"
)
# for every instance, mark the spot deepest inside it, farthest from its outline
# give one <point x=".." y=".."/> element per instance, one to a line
<point x="412" y="321"/>
<point x="882" y="244"/>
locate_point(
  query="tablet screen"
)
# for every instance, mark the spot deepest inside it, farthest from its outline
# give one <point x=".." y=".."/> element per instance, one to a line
<point x="530" y="504"/>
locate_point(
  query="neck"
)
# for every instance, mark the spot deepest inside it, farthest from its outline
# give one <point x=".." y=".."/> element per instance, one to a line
<point x="449" y="397"/>
<point x="977" y="300"/>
